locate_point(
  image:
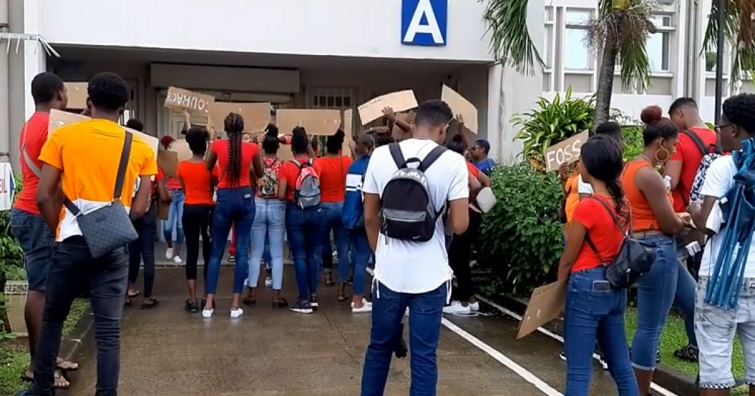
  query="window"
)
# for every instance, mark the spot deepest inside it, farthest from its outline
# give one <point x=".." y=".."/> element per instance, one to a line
<point x="659" y="44"/>
<point x="577" y="55"/>
<point x="547" y="52"/>
<point x="332" y="98"/>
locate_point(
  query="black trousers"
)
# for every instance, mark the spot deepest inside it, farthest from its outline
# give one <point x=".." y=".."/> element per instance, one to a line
<point x="459" y="254"/>
<point x="196" y="223"/>
<point x="143" y="250"/>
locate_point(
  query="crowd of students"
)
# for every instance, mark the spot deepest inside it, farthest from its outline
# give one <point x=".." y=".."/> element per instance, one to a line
<point x="672" y="198"/>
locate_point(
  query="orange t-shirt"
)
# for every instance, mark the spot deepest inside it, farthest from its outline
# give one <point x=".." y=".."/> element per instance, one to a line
<point x="571" y="189"/>
<point x="332" y="171"/>
<point x="473" y="170"/>
<point x="172" y="183"/>
<point x="290" y="172"/>
<point x="689" y="154"/>
<point x="248" y="152"/>
<point x="34" y="134"/>
<point x="603" y="232"/>
<point x="197" y="181"/>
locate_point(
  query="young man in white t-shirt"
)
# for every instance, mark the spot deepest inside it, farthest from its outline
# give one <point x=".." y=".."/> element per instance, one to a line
<point x="715" y="326"/>
<point x="413" y="274"/>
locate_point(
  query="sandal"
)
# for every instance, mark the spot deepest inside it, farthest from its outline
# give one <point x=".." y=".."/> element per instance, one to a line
<point x="282" y="303"/>
<point x="150" y="303"/>
<point x="66" y="365"/>
<point x="342" y="298"/>
<point x="133" y="293"/>
<point x="60" y="381"/>
<point x="127" y="303"/>
<point x="329" y="282"/>
<point x="250" y="301"/>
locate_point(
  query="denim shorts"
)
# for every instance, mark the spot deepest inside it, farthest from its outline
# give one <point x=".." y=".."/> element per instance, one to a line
<point x="715" y="329"/>
<point x="37" y="242"/>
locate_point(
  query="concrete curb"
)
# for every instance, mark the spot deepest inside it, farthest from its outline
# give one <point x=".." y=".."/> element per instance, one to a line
<point x="667" y="377"/>
<point x="72" y="344"/>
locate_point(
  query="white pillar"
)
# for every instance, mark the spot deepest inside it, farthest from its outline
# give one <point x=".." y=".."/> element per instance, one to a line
<point x="495" y="110"/>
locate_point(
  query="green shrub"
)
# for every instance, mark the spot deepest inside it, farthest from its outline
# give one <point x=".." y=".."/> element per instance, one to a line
<point x="11" y="255"/>
<point x="552" y="121"/>
<point x="521" y="238"/>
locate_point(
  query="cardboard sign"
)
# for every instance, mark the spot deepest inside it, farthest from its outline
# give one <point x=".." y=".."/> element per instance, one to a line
<point x="60" y="118"/>
<point x="461" y="106"/>
<point x="398" y="101"/>
<point x="565" y="152"/>
<point x="256" y="115"/>
<point x="546" y="303"/>
<point x="181" y="148"/>
<point x="316" y="122"/>
<point x="348" y="122"/>
<point x="77" y="95"/>
<point x="183" y="99"/>
<point x="168" y="162"/>
<point x="7" y="186"/>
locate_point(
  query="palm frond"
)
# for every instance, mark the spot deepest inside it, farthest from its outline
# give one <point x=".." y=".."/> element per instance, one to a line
<point x="739" y="33"/>
<point x="510" y="40"/>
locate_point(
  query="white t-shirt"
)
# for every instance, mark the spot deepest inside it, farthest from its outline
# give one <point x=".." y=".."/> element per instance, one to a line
<point x="718" y="181"/>
<point x="582" y="187"/>
<point x="416" y="267"/>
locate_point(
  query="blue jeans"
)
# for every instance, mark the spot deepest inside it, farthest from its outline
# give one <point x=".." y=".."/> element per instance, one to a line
<point x="37" y="242"/>
<point x="360" y="256"/>
<point x="234" y="206"/>
<point x="269" y="226"/>
<point x="425" y="314"/>
<point x="595" y="311"/>
<point x="655" y="294"/>
<point x="266" y="255"/>
<point x="73" y="271"/>
<point x="684" y="299"/>
<point x="302" y="227"/>
<point x="175" y="214"/>
<point x="143" y="250"/>
<point x="331" y="220"/>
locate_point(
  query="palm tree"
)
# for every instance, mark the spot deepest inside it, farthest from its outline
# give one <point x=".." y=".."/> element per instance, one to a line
<point x="619" y="34"/>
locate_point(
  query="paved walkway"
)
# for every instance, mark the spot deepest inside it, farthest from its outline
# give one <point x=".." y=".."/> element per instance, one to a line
<point x="169" y="352"/>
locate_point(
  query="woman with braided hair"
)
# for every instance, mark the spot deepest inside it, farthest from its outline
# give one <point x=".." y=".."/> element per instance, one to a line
<point x="234" y="207"/>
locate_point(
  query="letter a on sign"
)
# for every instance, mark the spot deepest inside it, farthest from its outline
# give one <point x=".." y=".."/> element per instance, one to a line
<point x="424" y="22"/>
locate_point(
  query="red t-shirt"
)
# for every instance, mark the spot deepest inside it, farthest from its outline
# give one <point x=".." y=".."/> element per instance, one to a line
<point x="332" y="171"/>
<point x="473" y="170"/>
<point x="172" y="183"/>
<point x="689" y="154"/>
<point x="197" y="181"/>
<point x="34" y="135"/>
<point x="603" y="232"/>
<point x="290" y="172"/>
<point x="248" y="152"/>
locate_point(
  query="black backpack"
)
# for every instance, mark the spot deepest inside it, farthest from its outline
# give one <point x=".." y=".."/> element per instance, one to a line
<point x="406" y="207"/>
<point x="635" y="257"/>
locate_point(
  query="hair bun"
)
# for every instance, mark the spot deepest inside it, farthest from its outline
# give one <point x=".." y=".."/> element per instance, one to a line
<point x="651" y="115"/>
<point x="271" y="130"/>
<point x="458" y="138"/>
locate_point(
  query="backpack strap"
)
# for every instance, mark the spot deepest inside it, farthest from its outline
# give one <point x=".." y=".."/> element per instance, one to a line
<point x="698" y="142"/>
<point x="398" y="156"/>
<point x="431" y="157"/>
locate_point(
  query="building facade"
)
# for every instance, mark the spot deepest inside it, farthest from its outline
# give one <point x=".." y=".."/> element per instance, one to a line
<point x="328" y="54"/>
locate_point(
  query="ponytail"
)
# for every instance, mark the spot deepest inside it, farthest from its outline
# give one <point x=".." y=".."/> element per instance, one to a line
<point x="234" y="127"/>
<point x="617" y="193"/>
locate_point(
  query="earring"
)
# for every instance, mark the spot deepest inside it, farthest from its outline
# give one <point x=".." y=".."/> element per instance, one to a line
<point x="666" y="156"/>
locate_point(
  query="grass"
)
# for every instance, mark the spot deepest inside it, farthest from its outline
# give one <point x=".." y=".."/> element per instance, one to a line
<point x="14" y="353"/>
<point x="673" y="338"/>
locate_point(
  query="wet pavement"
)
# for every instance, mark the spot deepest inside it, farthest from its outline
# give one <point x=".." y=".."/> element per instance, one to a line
<point x="167" y="351"/>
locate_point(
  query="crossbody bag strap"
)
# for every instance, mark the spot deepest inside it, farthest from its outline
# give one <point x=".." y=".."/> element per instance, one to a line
<point x="615" y="221"/>
<point x="119" y="178"/>
<point x="27" y="158"/>
<point x="696" y="139"/>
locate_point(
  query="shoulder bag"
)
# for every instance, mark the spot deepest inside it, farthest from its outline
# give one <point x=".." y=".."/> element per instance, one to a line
<point x="634" y="259"/>
<point x="109" y="227"/>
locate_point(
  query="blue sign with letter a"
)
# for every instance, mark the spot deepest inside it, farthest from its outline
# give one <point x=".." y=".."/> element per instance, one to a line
<point x="424" y="22"/>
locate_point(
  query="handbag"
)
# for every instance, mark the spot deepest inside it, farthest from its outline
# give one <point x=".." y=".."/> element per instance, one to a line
<point x="109" y="227"/>
<point x="635" y="257"/>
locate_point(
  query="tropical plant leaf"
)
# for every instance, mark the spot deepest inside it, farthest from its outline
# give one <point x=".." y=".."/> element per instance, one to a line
<point x="510" y="40"/>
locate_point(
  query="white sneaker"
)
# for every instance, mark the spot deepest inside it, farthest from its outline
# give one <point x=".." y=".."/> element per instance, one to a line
<point x="367" y="307"/>
<point x="268" y="282"/>
<point x="169" y="253"/>
<point x="177" y="260"/>
<point x="457" y="309"/>
<point x="475" y="307"/>
<point x="207" y="313"/>
<point x="370" y="271"/>
<point x="236" y="313"/>
<point x="246" y="282"/>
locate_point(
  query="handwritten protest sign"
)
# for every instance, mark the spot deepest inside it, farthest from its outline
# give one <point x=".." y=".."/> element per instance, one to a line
<point x="183" y="99"/>
<point x="565" y="152"/>
<point x="256" y="115"/>
<point x="168" y="162"/>
<point x="61" y="118"/>
<point x="398" y="101"/>
<point x="317" y="122"/>
<point x="546" y="303"/>
<point x="461" y="106"/>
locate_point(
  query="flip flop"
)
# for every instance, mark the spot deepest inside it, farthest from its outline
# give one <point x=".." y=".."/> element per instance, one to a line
<point x="133" y="293"/>
<point x="67" y="365"/>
